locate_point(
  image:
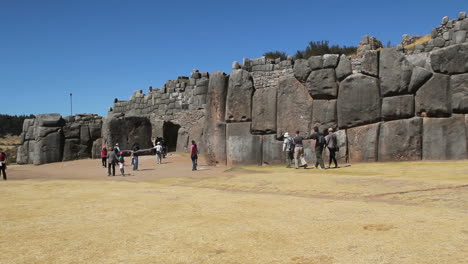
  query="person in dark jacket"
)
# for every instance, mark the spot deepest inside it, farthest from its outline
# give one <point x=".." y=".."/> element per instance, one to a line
<point x="319" y="145"/>
<point x="194" y="155"/>
<point x="111" y="162"/>
<point x="135" y="157"/>
<point x="332" y="145"/>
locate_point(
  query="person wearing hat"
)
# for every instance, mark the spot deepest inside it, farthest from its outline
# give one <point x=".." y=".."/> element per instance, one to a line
<point x="117" y="148"/>
<point x="158" y="149"/>
<point x="288" y="149"/>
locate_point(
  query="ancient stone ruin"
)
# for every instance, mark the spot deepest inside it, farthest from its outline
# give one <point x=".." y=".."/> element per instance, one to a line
<point x="390" y="106"/>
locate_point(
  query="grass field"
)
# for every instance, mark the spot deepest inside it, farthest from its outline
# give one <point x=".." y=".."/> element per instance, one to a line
<point x="71" y="212"/>
<point x="10" y="144"/>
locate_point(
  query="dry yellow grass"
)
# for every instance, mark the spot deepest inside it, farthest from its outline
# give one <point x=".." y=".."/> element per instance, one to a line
<point x="422" y="40"/>
<point x="367" y="213"/>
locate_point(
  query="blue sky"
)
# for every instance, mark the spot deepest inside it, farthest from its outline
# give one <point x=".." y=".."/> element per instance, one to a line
<point x="100" y="50"/>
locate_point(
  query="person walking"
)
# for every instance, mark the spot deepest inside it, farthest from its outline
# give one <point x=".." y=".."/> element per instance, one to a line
<point x="332" y="145"/>
<point x="121" y="163"/>
<point x="319" y="145"/>
<point x="104" y="156"/>
<point x="135" y="157"/>
<point x="288" y="149"/>
<point x="194" y="155"/>
<point x="158" y="149"/>
<point x="3" y="166"/>
<point x="111" y="161"/>
<point x="299" y="151"/>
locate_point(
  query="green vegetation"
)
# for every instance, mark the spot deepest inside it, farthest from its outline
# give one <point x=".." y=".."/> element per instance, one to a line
<point x="317" y="48"/>
<point x="272" y="55"/>
<point x="12" y="125"/>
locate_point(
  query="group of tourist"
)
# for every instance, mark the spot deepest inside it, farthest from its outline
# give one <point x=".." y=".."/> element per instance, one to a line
<point x="114" y="156"/>
<point x="294" y="149"/>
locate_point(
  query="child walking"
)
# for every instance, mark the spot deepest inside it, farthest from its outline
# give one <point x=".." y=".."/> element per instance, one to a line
<point x="121" y="163"/>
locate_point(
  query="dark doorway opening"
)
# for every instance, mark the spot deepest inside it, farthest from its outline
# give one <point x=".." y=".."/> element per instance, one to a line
<point x="170" y="133"/>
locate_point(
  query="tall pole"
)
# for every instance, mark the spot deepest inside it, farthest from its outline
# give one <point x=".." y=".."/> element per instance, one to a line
<point x="71" y="104"/>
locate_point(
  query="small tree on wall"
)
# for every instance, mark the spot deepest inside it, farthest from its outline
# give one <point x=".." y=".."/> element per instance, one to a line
<point x="272" y="55"/>
<point x="317" y="48"/>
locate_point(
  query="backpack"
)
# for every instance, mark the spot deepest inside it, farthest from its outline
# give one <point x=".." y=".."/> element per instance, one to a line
<point x="321" y="141"/>
<point x="290" y="145"/>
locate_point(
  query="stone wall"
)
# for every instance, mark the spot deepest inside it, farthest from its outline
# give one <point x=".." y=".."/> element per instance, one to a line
<point x="51" y="138"/>
<point x="393" y="107"/>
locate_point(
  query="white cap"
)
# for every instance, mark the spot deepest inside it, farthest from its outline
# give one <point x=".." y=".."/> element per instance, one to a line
<point x="286" y="134"/>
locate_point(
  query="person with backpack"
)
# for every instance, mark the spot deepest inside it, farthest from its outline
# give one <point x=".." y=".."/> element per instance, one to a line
<point x="3" y="167"/>
<point x="319" y="145"/>
<point x="194" y="155"/>
<point x="332" y="145"/>
<point x="299" y="151"/>
<point x="288" y="149"/>
<point x="158" y="149"/>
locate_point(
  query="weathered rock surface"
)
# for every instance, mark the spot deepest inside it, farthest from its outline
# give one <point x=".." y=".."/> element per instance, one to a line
<point x="239" y="97"/>
<point x="434" y="97"/>
<point x="324" y="114"/>
<point x="358" y="101"/>
<point x="451" y="60"/>
<point x="322" y="84"/>
<point x="330" y="60"/>
<point x="344" y="68"/>
<point x="444" y="138"/>
<point x="49" y="120"/>
<point x="301" y="69"/>
<point x="418" y="78"/>
<point x="49" y="149"/>
<point x="363" y="143"/>
<point x="214" y="127"/>
<point x="398" y="107"/>
<point x="459" y="91"/>
<point x="315" y="62"/>
<point x="370" y="63"/>
<point x="264" y="110"/>
<point x="294" y="107"/>
<point x="128" y="131"/>
<point x="242" y="147"/>
<point x="401" y="140"/>
<point x="272" y="150"/>
<point x="395" y="72"/>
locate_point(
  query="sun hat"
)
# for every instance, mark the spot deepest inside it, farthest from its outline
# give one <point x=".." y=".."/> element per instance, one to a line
<point x="286" y="134"/>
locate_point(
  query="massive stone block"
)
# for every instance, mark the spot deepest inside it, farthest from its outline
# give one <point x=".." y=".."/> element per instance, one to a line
<point x="459" y="91"/>
<point x="49" y="149"/>
<point x="401" y="140"/>
<point x="398" y="107"/>
<point x="49" y="120"/>
<point x="394" y="71"/>
<point x="128" y="131"/>
<point x="96" y="149"/>
<point x="239" y="97"/>
<point x="363" y="143"/>
<point x="324" y="114"/>
<point x="214" y="128"/>
<point x="322" y="84"/>
<point x="71" y="130"/>
<point x="315" y="63"/>
<point x="272" y="150"/>
<point x="434" y="97"/>
<point x="301" y="69"/>
<point x="22" y="156"/>
<point x="418" y="78"/>
<point x="330" y="60"/>
<point x="73" y="150"/>
<point x="370" y="63"/>
<point x="358" y="101"/>
<point x="344" y="68"/>
<point x="294" y="107"/>
<point x="451" y="59"/>
<point x="242" y="147"/>
<point x="183" y="143"/>
<point x="264" y="110"/>
<point x="85" y="137"/>
<point x="444" y="138"/>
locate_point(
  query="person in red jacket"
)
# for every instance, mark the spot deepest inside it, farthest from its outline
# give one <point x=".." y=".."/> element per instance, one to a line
<point x="104" y="156"/>
<point x="3" y="158"/>
<point x="194" y="155"/>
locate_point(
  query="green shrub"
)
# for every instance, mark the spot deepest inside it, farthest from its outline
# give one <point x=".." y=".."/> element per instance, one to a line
<point x="272" y="55"/>
<point x="318" y="48"/>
